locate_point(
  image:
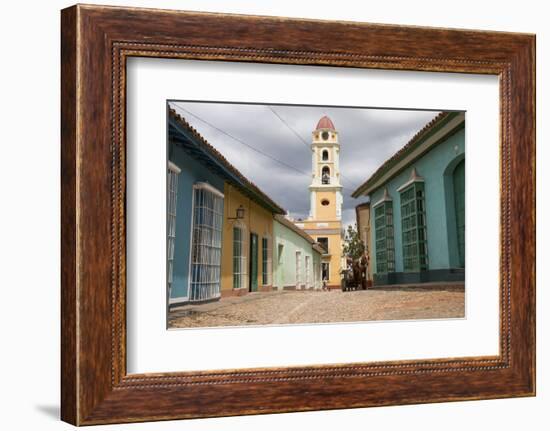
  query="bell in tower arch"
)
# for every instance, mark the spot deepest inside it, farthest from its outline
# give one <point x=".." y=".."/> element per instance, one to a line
<point x="325" y="175"/>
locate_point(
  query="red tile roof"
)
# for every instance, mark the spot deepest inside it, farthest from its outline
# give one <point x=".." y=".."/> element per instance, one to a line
<point x="325" y="123"/>
<point x="217" y="155"/>
<point x="440" y="118"/>
<point x="289" y="224"/>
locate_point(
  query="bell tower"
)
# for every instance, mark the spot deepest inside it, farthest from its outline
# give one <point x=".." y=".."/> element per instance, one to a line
<point x="325" y="190"/>
<point x="324" y="223"/>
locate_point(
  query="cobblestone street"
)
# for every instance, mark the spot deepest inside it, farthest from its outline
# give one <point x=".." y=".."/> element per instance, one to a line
<point x="288" y="307"/>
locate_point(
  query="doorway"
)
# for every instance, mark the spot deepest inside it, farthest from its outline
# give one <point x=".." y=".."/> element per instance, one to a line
<point x="460" y="216"/>
<point x="325" y="273"/>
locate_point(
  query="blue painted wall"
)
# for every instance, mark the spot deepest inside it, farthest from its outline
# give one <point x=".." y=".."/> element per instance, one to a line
<point x="191" y="172"/>
<point x="436" y="166"/>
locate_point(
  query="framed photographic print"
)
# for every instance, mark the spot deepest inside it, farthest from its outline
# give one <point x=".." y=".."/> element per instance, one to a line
<point x="268" y="215"/>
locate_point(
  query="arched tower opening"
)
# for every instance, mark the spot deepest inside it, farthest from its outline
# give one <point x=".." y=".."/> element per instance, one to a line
<point x="325" y="175"/>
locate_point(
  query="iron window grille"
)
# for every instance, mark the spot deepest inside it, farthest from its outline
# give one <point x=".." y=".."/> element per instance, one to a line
<point x="206" y="243"/>
<point x="316" y="275"/>
<point x="239" y="257"/>
<point x="172" y="189"/>
<point x="298" y="269"/>
<point x="266" y="262"/>
<point x="308" y="272"/>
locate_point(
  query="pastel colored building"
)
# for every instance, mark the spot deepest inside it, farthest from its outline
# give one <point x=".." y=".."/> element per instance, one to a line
<point x="218" y="222"/>
<point x="189" y="182"/>
<point x="362" y="214"/>
<point x="297" y="257"/>
<point x="247" y="242"/>
<point x="324" y="223"/>
<point x="417" y="207"/>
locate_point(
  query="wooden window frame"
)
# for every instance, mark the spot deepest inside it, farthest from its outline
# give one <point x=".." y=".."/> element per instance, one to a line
<point x="389" y="237"/>
<point x="414" y="230"/>
<point x="96" y="42"/>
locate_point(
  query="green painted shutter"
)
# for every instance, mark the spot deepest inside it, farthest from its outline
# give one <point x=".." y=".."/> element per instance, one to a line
<point x="459" y="186"/>
<point x="253" y="262"/>
<point x="413" y="226"/>
<point x="384" y="241"/>
<point x="265" y="274"/>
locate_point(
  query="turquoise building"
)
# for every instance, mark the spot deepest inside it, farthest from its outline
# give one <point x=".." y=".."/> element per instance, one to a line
<point x="297" y="257"/>
<point x="417" y="206"/>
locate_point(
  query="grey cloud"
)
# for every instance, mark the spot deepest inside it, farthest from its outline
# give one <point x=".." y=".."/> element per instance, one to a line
<point x="368" y="137"/>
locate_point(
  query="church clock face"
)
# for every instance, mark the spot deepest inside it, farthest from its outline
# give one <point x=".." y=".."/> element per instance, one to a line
<point x="324" y="135"/>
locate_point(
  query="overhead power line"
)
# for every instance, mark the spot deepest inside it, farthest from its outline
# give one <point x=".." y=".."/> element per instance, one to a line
<point x="240" y="141"/>
<point x="289" y="128"/>
<point x="300" y="138"/>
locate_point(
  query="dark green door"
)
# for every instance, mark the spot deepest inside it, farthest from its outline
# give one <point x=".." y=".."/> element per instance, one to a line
<point x="459" y="186"/>
<point x="253" y="262"/>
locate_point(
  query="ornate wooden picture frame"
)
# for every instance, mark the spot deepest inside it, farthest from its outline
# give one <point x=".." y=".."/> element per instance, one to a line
<point x="96" y="42"/>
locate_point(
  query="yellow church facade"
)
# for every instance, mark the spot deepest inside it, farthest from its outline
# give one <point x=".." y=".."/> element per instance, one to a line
<point x="324" y="223"/>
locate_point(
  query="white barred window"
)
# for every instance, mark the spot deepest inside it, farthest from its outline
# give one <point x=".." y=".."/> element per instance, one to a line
<point x="298" y="269"/>
<point x="239" y="256"/>
<point x="308" y="272"/>
<point x="316" y="276"/>
<point x="172" y="189"/>
<point x="206" y="242"/>
<point x="266" y="261"/>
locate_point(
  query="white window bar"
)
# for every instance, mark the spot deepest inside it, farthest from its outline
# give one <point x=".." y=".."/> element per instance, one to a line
<point x="206" y="243"/>
<point x="239" y="257"/>
<point x="308" y="273"/>
<point x="316" y="276"/>
<point x="267" y="270"/>
<point x="298" y="269"/>
<point x="172" y="195"/>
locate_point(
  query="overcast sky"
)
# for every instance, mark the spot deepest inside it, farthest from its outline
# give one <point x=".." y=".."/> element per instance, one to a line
<point x="367" y="138"/>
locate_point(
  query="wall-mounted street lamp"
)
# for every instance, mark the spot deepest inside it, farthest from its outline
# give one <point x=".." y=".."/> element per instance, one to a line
<point x="240" y="214"/>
